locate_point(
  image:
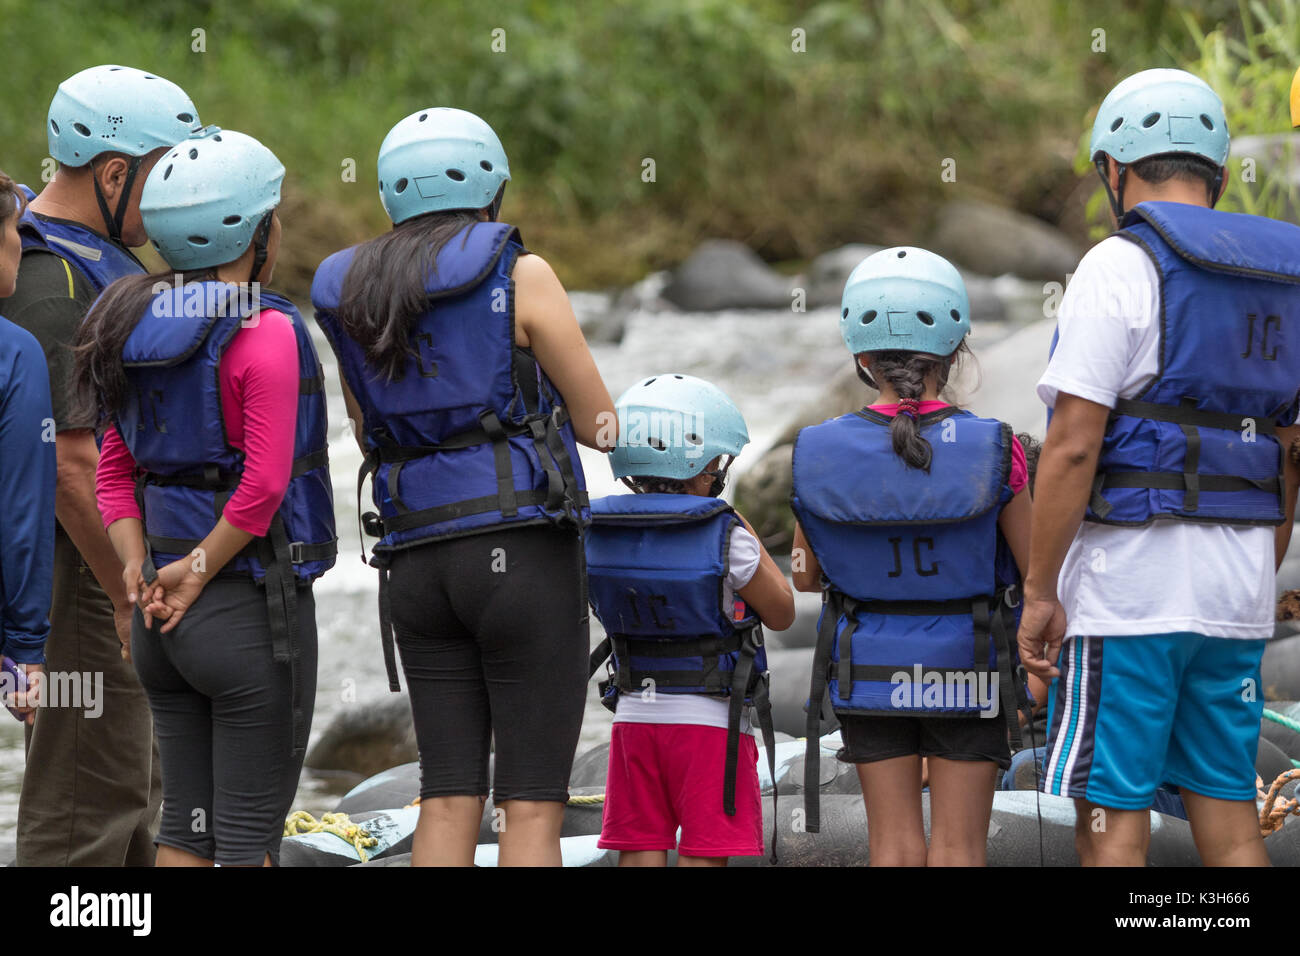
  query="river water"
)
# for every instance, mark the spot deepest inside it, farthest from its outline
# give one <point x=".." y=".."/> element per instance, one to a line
<point x="770" y="363"/>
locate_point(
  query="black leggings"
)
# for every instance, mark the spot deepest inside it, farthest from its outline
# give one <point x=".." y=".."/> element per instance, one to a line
<point x="221" y="710"/>
<point x="493" y="634"/>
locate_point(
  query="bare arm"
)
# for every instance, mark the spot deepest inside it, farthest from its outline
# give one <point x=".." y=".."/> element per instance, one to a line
<point x="1064" y="483"/>
<point x="804" y="566"/>
<point x="1292" y="470"/>
<point x="768" y="592"/>
<point x="544" y="322"/>
<point x="78" y="512"/>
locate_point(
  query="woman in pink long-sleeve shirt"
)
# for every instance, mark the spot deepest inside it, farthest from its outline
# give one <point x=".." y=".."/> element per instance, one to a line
<point x="226" y="490"/>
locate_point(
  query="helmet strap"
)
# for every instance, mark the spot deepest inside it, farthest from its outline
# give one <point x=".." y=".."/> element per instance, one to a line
<point x="864" y="375"/>
<point x="719" y="478"/>
<point x="1216" y="186"/>
<point x="1117" y="197"/>
<point x="494" y="210"/>
<point x="113" y="221"/>
<point x="260" y="251"/>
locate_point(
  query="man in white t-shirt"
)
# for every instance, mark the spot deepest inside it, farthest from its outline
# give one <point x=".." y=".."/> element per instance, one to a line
<point x="1161" y="510"/>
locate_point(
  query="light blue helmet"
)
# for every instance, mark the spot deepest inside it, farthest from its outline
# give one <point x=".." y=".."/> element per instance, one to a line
<point x="672" y="426"/>
<point x="204" y="201"/>
<point x="440" y="159"/>
<point x="907" y="299"/>
<point x="1154" y="113"/>
<point x="1160" y="111"/>
<point x="117" y="109"/>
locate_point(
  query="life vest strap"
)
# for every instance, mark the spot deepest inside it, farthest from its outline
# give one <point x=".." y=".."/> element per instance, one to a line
<point x="1174" y="481"/>
<point x="1188" y="414"/>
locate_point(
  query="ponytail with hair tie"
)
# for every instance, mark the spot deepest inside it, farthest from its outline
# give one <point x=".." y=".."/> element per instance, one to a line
<point x="909" y="407"/>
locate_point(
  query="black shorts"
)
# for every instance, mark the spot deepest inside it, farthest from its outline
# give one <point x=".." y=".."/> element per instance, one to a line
<point x="868" y="738"/>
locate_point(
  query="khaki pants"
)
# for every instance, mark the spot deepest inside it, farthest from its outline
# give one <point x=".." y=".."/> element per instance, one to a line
<point x="92" y="788"/>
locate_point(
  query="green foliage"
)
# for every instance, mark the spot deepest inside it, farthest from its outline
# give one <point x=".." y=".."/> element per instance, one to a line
<point x="791" y="151"/>
<point x="1248" y="54"/>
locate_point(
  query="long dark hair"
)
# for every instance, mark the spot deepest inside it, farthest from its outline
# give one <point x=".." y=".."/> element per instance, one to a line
<point x="385" y="289"/>
<point x="906" y="373"/>
<point x="99" y="381"/>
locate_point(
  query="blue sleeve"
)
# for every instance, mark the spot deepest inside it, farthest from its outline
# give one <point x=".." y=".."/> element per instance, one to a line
<point x="27" y="472"/>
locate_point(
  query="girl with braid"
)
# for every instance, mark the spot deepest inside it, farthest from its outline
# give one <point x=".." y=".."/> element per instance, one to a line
<point x="913" y="520"/>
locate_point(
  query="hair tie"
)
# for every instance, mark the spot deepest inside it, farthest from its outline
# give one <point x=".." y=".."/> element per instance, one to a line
<point x="909" y="407"/>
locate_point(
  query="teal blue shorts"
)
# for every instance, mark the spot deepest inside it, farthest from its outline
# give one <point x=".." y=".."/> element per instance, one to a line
<point x="1130" y="713"/>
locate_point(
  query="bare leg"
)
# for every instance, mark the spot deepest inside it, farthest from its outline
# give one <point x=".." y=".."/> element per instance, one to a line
<point x="891" y="790"/>
<point x="1226" y="831"/>
<point x="1104" y="836"/>
<point x="643" y="858"/>
<point x="701" y="860"/>
<point x="447" y="831"/>
<point x="531" y="836"/>
<point x="171" y="856"/>
<point x="961" y="803"/>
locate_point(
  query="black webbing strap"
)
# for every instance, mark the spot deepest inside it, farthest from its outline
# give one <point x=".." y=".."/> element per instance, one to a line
<point x="1190" y="481"/>
<point x="1187" y="413"/>
<point x="311" y="386"/>
<point x="506" y="496"/>
<point x="310" y="462"/>
<point x="1011" y="688"/>
<point x="844" y="672"/>
<point x="386" y="623"/>
<point x="832" y="608"/>
<point x="599" y="656"/>
<point x="708" y="678"/>
<point x="571" y="494"/>
<point x="282" y="611"/>
<point x="393" y="474"/>
<point x="555" y="484"/>
<point x="746" y="682"/>
<point x="369" y="465"/>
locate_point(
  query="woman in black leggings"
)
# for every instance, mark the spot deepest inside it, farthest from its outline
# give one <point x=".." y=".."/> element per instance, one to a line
<point x="471" y="386"/>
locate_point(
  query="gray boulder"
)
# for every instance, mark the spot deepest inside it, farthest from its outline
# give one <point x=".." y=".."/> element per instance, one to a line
<point x="993" y="241"/>
<point x="829" y="271"/>
<point x="366" y="739"/>
<point x="725" y="274"/>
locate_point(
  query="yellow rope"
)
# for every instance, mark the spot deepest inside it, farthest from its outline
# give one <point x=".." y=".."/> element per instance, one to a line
<point x="580" y="801"/>
<point x="300" y="822"/>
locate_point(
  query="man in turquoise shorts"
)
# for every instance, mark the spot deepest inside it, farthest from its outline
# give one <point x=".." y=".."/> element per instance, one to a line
<point x="1161" y="506"/>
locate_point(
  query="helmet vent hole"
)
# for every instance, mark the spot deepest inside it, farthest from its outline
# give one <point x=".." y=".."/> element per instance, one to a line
<point x="649" y="380"/>
<point x="423" y="117"/>
<point x="400" y="185"/>
<point x="81" y="128"/>
<point x="926" y="318"/>
<point x="114" y="69"/>
<point x="455" y="175"/>
<point x="844" y="314"/>
<point x="185" y="117"/>
<point x="657" y="444"/>
<point x="1207" y="122"/>
<point x="693" y="439"/>
<point x="677" y="376"/>
<point x="1151" y="120"/>
<point x="194" y="154"/>
<point x="486" y="165"/>
<point x="902" y="253"/>
<point x="198" y="240"/>
<point x="54" y="126"/>
<point x="232" y="220"/>
<point x="150" y="76"/>
<point x="869" y="317"/>
<point x="168" y="172"/>
<point x="1119" y="121"/>
<point x="956" y="316"/>
<point x="217" y="138"/>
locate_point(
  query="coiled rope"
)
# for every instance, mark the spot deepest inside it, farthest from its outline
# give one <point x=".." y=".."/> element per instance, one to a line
<point x="354" y="834"/>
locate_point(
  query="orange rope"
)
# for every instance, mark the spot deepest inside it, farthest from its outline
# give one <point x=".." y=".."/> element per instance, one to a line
<point x="1274" y="814"/>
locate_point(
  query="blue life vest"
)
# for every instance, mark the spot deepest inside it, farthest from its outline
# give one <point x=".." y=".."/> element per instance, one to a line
<point x="173" y="424"/>
<point x="1199" y="442"/>
<point x="917" y="613"/>
<point x="656" y="566"/>
<point x="98" y="258"/>
<point x="473" y="436"/>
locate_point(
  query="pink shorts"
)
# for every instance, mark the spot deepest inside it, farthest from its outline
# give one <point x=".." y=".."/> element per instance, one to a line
<point x="665" y="776"/>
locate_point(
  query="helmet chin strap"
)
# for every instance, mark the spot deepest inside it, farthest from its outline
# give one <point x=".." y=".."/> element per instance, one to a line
<point x="494" y="210"/>
<point x="113" y="221"/>
<point x="1117" y="197"/>
<point x="260" y="250"/>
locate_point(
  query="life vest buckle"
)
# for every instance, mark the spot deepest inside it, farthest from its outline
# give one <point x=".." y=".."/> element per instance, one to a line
<point x="296" y="555"/>
<point x="373" y="524"/>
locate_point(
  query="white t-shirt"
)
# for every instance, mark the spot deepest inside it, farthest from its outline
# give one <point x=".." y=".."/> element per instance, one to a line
<point x="1171" y="575"/>
<point x="742" y="562"/>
